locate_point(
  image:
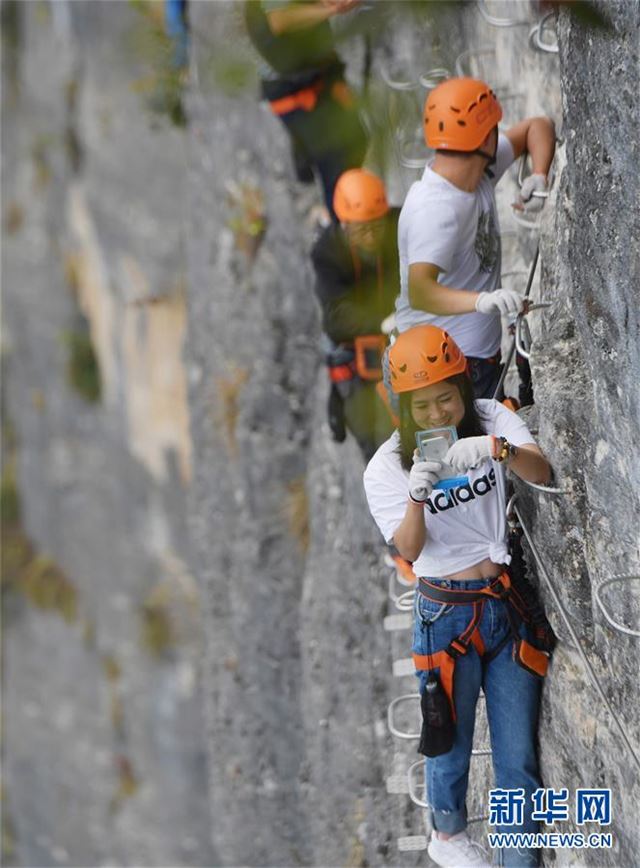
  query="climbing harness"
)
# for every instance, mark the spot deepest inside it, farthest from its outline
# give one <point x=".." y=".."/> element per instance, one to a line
<point x="305" y="99"/>
<point x="534" y="660"/>
<point x="340" y="362"/>
<point x="369" y="350"/>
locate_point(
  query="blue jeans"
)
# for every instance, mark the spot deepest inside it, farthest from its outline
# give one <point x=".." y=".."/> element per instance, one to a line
<point x="513" y="697"/>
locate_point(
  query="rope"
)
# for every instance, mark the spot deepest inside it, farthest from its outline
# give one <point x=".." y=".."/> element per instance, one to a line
<point x="574" y="636"/>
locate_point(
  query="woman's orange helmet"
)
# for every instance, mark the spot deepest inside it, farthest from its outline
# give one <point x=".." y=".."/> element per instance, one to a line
<point x="359" y="195"/>
<point x="422" y="356"/>
<point x="459" y="114"/>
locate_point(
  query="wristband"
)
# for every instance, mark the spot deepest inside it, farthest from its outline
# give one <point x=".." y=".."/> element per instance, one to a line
<point x="495" y="446"/>
<point x="506" y="450"/>
<point x="416" y="502"/>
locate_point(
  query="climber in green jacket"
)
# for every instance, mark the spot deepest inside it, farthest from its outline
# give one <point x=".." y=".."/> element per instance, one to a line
<point x="356" y="266"/>
<point x="303" y="82"/>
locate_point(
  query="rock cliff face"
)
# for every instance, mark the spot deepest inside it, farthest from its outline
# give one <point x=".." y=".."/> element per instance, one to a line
<point x="217" y="543"/>
<point x="104" y="744"/>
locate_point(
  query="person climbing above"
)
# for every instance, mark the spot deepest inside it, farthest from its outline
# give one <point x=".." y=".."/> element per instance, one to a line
<point x="177" y="29"/>
<point x="448" y="234"/>
<point x="470" y="617"/>
<point x="305" y="86"/>
<point x="356" y="268"/>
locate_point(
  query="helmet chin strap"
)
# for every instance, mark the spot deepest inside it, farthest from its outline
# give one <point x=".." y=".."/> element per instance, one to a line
<point x="490" y="158"/>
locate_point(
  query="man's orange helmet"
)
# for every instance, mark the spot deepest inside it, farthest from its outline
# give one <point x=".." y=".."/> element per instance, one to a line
<point x="422" y="356"/>
<point x="459" y="114"/>
<point x="359" y="195"/>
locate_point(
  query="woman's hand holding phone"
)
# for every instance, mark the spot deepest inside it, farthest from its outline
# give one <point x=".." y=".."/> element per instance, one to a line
<point x="470" y="452"/>
<point x="422" y="478"/>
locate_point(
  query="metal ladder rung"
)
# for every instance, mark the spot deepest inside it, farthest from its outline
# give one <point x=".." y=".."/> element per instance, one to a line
<point x="412" y="843"/>
<point x="404" y="601"/>
<point x="629" y="631"/>
<point x="422" y="803"/>
<point x="403" y="667"/>
<point x="398" y="622"/>
<point x="398" y="785"/>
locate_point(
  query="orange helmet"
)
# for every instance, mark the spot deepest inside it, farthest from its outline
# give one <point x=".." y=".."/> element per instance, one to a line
<point x="422" y="356"/>
<point x="359" y="196"/>
<point x="459" y="114"/>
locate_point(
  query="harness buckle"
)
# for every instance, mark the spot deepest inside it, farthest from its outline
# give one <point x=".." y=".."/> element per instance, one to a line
<point x="456" y="649"/>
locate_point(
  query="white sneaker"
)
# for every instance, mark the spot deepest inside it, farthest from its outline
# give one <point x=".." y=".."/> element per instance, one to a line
<point x="457" y="852"/>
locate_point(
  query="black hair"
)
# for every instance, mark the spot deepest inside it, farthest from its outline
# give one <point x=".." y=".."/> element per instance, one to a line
<point x="470" y="426"/>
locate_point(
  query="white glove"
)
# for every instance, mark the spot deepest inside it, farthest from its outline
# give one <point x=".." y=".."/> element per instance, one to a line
<point x="526" y="200"/>
<point x="469" y="452"/>
<point x="423" y="476"/>
<point x="504" y="301"/>
<point x="388" y="324"/>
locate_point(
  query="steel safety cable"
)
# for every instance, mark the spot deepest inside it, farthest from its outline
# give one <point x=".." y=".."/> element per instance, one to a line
<point x="578" y="644"/>
<point x="532" y="271"/>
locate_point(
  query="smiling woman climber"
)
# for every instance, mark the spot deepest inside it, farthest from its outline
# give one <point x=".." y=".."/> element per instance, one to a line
<point x="470" y="618"/>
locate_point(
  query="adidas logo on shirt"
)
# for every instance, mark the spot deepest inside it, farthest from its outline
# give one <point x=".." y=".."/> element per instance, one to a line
<point x="445" y="500"/>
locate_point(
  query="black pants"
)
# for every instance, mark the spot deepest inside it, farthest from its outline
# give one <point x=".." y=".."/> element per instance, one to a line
<point x="360" y="411"/>
<point x="331" y="136"/>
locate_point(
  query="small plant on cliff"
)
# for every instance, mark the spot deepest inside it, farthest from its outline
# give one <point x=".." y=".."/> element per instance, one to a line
<point x="83" y="371"/>
<point x="157" y="634"/>
<point x="248" y="220"/>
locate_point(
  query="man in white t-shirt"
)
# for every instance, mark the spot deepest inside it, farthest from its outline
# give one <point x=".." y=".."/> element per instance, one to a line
<point x="448" y="233"/>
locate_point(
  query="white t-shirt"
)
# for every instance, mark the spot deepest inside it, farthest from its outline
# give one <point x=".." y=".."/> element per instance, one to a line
<point x="459" y="232"/>
<point x="464" y="526"/>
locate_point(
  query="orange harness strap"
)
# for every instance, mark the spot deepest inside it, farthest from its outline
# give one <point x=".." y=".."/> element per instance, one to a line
<point x="445" y="660"/>
<point x="305" y="99"/>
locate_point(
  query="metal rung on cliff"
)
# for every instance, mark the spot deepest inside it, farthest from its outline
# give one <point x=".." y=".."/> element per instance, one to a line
<point x="574" y="636"/>
<point x="523" y="335"/>
<point x="464" y="61"/>
<point x="535" y="36"/>
<point x="412" y="736"/>
<point x="412" y="843"/>
<point x="411" y="151"/>
<point x="404" y="601"/>
<point x="391" y="710"/>
<point x="615" y="624"/>
<point x="433" y="77"/>
<point x="406" y="579"/>
<point x="494" y="20"/>
<point x="522" y="165"/>
<point x="392" y="623"/>
<point x="397" y="785"/>
<point x="403" y="667"/>
<point x="415" y="787"/>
